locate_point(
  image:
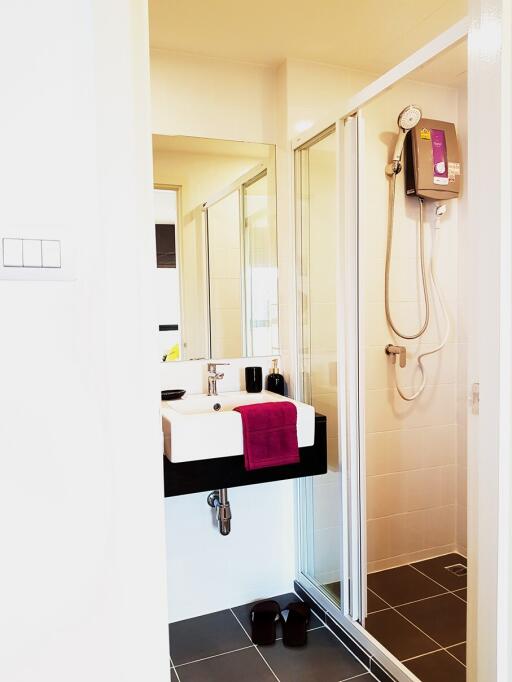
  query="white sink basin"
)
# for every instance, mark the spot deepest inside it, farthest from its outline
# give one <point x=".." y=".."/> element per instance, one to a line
<point x="194" y="430"/>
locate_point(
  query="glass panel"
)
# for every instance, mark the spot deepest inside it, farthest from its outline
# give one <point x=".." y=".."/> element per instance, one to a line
<point x="218" y="177"/>
<point x="260" y="272"/>
<point x="225" y="283"/>
<point x="415" y="419"/>
<point x="317" y="236"/>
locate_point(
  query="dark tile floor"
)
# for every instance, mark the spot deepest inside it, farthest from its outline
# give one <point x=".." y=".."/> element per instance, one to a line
<point x="418" y="612"/>
<point x="217" y="648"/>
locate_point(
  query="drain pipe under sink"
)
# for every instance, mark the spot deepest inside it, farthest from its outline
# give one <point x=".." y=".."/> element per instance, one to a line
<point x="218" y="499"/>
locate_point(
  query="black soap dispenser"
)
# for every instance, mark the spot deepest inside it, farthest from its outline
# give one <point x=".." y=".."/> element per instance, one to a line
<point x="275" y="381"/>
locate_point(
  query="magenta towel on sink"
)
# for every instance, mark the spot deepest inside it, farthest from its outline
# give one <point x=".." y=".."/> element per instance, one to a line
<point x="270" y="434"/>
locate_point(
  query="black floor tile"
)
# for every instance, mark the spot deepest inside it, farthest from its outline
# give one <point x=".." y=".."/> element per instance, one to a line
<point x="459" y="652"/>
<point x="174" y="677"/>
<point x="374" y="603"/>
<point x="443" y="618"/>
<point x="205" y="636"/>
<point x="316" y="608"/>
<point x="401" y="585"/>
<point x="435" y="569"/>
<point x="462" y="594"/>
<point x="243" y="613"/>
<point x="323" y="659"/>
<point x="351" y="644"/>
<point x="239" y="666"/>
<point x="398" y="636"/>
<point x="438" y="667"/>
<point x="334" y="589"/>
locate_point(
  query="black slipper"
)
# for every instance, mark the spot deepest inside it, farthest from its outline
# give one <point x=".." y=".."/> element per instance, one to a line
<point x="264" y="618"/>
<point x="295" y="619"/>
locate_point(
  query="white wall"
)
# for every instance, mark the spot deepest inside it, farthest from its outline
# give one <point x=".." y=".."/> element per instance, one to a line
<point x="215" y="98"/>
<point x="83" y="585"/>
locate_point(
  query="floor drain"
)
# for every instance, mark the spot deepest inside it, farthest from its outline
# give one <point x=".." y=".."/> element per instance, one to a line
<point x="457" y="569"/>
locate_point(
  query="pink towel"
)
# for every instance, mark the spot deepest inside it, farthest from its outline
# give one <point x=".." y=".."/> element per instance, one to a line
<point x="270" y="434"/>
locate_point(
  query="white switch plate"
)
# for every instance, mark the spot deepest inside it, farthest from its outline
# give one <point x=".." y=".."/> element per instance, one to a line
<point x="12" y="253"/>
<point x="32" y="257"/>
<point x="51" y="253"/>
<point x="56" y="269"/>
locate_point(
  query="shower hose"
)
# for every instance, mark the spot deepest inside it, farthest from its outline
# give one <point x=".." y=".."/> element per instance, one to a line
<point x="433" y="280"/>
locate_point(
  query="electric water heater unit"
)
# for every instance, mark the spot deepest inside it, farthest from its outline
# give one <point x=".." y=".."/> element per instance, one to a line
<point x="432" y="161"/>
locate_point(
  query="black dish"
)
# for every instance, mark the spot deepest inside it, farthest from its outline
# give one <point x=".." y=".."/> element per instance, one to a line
<point x="173" y="394"/>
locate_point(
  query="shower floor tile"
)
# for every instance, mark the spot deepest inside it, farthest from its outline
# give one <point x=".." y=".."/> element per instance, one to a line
<point x="436" y="570"/>
<point x="437" y="667"/>
<point x="433" y="603"/>
<point x="374" y="603"/>
<point x="399" y="636"/>
<point x="402" y="585"/>
<point x="443" y="618"/>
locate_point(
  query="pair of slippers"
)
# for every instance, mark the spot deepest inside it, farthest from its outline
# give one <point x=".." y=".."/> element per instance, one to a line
<point x="265" y="615"/>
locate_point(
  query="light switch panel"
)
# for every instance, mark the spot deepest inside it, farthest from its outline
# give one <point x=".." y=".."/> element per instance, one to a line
<point x="51" y="253"/>
<point x="38" y="252"/>
<point x="12" y="253"/>
<point x="32" y="253"/>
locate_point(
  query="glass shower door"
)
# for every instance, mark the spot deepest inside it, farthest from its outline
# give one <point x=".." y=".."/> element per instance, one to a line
<point x="320" y="519"/>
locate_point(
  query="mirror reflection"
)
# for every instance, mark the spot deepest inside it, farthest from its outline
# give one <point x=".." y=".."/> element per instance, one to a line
<point x="216" y="248"/>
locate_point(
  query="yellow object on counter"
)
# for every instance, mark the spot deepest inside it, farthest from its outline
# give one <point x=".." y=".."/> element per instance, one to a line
<point x="173" y="354"/>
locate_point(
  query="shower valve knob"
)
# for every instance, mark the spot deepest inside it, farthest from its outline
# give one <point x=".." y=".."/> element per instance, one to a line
<point x="397" y="350"/>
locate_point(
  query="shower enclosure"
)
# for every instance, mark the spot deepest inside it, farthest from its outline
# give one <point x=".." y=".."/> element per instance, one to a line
<point x="394" y="497"/>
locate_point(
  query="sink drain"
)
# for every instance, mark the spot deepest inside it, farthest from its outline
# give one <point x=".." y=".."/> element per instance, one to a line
<point x="217" y="407"/>
<point x="457" y="569"/>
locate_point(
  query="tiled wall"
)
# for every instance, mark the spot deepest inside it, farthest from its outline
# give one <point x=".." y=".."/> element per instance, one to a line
<point x="412" y="449"/>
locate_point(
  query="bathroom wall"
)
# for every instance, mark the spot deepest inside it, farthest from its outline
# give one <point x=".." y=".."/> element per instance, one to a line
<point x="83" y="584"/>
<point x="412" y="449"/>
<point x="209" y="97"/>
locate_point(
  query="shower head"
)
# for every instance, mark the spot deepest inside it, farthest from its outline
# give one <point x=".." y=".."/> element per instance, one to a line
<point x="409" y="117"/>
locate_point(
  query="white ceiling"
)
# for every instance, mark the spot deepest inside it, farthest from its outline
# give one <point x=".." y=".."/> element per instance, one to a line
<point x="210" y="147"/>
<point x="372" y="35"/>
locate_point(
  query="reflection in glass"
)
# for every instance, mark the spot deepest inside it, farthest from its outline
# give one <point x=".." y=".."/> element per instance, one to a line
<point x="317" y="235"/>
<point x="225" y="280"/>
<point x="260" y="268"/>
<point x="223" y="225"/>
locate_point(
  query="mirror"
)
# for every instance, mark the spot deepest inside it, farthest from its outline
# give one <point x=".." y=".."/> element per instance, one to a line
<point x="216" y="248"/>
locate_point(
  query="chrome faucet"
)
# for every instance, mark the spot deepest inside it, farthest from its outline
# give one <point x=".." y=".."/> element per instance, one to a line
<point x="213" y="376"/>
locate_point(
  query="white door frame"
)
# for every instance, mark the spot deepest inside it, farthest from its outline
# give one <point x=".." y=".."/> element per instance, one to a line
<point x="490" y="335"/>
<point x="490" y="473"/>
